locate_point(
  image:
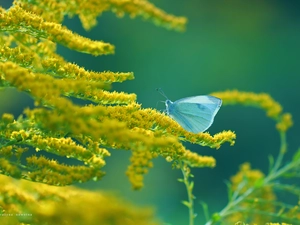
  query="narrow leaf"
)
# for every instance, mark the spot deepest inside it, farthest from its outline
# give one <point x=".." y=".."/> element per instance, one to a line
<point x="186" y="203"/>
<point x="191" y="186"/>
<point x="271" y="162"/>
<point x="205" y="210"/>
<point x="296" y="156"/>
<point x="229" y="190"/>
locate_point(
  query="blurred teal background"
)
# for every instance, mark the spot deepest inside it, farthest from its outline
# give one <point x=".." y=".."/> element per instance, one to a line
<point x="234" y="44"/>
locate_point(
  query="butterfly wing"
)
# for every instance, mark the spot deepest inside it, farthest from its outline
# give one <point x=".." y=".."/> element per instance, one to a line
<point x="195" y="114"/>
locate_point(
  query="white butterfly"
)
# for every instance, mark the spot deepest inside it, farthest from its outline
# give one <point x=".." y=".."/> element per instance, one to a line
<point x="195" y="114"/>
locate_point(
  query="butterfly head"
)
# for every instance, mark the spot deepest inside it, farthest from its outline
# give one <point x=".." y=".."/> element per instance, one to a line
<point x="169" y="104"/>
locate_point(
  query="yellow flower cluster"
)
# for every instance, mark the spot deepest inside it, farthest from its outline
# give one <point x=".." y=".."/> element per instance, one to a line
<point x="193" y="159"/>
<point x="252" y="178"/>
<point x="60" y="68"/>
<point x="7" y="168"/>
<point x="115" y="132"/>
<point x="44" y="87"/>
<point x="284" y="122"/>
<point x="18" y="19"/>
<point x="7" y="118"/>
<point x="263" y="101"/>
<point x="41" y="169"/>
<point x="73" y="75"/>
<point x="88" y="11"/>
<point x="51" y="172"/>
<point x="93" y="121"/>
<point x="161" y="123"/>
<point x="140" y="162"/>
<point x="24" y="202"/>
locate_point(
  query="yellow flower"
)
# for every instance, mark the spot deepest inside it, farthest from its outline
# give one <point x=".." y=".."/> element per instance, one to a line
<point x="264" y="101"/>
<point x="284" y="122"/>
<point x="18" y="19"/>
<point x="88" y="11"/>
<point x="7" y="118"/>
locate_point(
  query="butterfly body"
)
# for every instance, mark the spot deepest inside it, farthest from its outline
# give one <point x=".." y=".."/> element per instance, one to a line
<point x="195" y="114"/>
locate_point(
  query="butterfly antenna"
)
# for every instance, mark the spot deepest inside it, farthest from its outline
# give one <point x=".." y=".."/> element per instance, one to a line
<point x="161" y="92"/>
<point x="159" y="102"/>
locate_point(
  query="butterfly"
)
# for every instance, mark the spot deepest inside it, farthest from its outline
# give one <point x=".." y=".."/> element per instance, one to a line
<point x="195" y="114"/>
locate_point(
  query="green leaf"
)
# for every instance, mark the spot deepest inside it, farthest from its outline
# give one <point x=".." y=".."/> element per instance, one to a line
<point x="290" y="175"/>
<point x="271" y="162"/>
<point x="296" y="156"/>
<point x="293" y="189"/>
<point x="191" y="186"/>
<point x="186" y="203"/>
<point x="229" y="190"/>
<point x="180" y="180"/>
<point x="205" y="210"/>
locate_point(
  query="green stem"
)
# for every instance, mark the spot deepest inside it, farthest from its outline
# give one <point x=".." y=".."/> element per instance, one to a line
<point x="282" y="151"/>
<point x="274" y="174"/>
<point x="189" y="187"/>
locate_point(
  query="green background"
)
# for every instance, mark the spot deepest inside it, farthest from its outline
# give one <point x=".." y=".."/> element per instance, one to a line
<point x="233" y="44"/>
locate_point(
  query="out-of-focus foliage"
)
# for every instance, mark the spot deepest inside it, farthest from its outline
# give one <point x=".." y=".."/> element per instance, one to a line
<point x="24" y="202"/>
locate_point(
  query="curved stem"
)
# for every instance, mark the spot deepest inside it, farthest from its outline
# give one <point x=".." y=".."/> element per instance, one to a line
<point x="189" y="187"/>
<point x="282" y="151"/>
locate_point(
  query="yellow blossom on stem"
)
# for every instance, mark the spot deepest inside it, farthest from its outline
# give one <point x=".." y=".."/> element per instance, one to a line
<point x="284" y="122"/>
<point x="16" y="19"/>
<point x="264" y="101"/>
<point x="88" y="11"/>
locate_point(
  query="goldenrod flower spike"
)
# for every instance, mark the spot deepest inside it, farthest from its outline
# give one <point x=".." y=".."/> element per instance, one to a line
<point x="195" y="160"/>
<point x="41" y="169"/>
<point x="264" y="101"/>
<point x="60" y="68"/>
<point x="148" y="11"/>
<point x="165" y="146"/>
<point x="285" y="121"/>
<point x="74" y="75"/>
<point x="152" y="119"/>
<point x="57" y="67"/>
<point x="16" y="19"/>
<point x="145" y="144"/>
<point x="46" y="87"/>
<point x="88" y="11"/>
